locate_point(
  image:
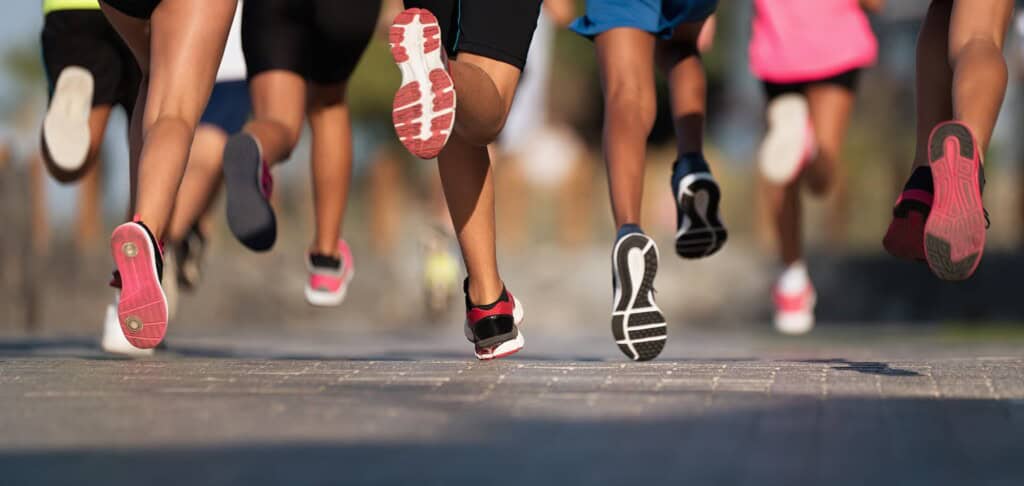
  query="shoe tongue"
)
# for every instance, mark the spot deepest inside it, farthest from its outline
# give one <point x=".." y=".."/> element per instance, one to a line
<point x="921" y="179"/>
<point x="325" y="261"/>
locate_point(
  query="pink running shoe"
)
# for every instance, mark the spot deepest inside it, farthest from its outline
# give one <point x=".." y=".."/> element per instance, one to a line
<point x="794" y="312"/>
<point x="954" y="234"/>
<point x="142" y="308"/>
<point x="424" y="107"/>
<point x="329" y="277"/>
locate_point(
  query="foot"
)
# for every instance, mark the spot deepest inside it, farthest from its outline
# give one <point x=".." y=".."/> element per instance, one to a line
<point x="249" y="185"/>
<point x="142" y="308"/>
<point x="329" y="277"/>
<point x="905" y="236"/>
<point x="789" y="143"/>
<point x="189" y="254"/>
<point x="699" y="228"/>
<point x="424" y="107"/>
<point x="794" y="301"/>
<point x="954" y="234"/>
<point x="66" y="126"/>
<point x="638" y="325"/>
<point x="494" y="328"/>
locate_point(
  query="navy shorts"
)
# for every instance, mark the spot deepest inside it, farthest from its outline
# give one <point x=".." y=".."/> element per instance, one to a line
<point x="659" y="17"/>
<point x="229" y="106"/>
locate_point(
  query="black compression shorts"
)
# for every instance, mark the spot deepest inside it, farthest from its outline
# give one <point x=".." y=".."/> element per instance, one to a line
<point x="845" y="79"/>
<point x="498" y="29"/>
<point x="321" y="40"/>
<point x="140" y="9"/>
<point x="84" y="38"/>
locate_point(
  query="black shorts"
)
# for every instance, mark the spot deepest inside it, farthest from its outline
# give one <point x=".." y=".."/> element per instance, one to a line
<point x="140" y="9"/>
<point x="321" y="40"/>
<point x="498" y="29"/>
<point x="84" y="38"/>
<point x="846" y="79"/>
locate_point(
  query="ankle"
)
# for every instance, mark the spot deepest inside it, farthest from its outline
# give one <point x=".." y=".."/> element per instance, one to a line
<point x="484" y="291"/>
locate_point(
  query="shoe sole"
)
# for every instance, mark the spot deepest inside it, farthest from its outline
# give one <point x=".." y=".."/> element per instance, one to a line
<point x="954" y="235"/>
<point x="423" y="112"/>
<point x="142" y="308"/>
<point x="701" y="233"/>
<point x="638" y="326"/>
<point x="783" y="152"/>
<point x="514" y="341"/>
<point x="113" y="340"/>
<point x="250" y="216"/>
<point x="322" y="298"/>
<point x="66" y="126"/>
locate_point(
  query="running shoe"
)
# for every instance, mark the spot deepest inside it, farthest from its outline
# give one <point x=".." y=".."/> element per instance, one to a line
<point x="699" y="228"/>
<point x="189" y="254"/>
<point x="424" y="107"/>
<point x="329" y="277"/>
<point x="249" y="186"/>
<point x="794" y="310"/>
<point x="113" y="340"/>
<point x="66" y="126"/>
<point x="142" y="308"/>
<point x="638" y="325"/>
<point x="494" y="328"/>
<point x="905" y="236"/>
<point x="789" y="143"/>
<point x="954" y="233"/>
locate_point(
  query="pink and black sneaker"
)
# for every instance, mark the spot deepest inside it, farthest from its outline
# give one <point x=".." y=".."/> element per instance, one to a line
<point x="954" y="233"/>
<point x="905" y="236"/>
<point x="424" y="107"/>
<point x="142" y="307"/>
<point x="329" y="277"/>
<point x="249" y="186"/>
<point x="494" y="328"/>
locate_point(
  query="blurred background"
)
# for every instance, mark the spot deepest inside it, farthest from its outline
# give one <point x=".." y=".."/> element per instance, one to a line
<point x="555" y="229"/>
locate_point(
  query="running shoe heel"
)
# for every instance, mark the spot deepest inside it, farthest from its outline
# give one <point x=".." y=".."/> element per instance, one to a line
<point x="250" y="215"/>
<point x="66" y="136"/>
<point x="142" y="308"/>
<point x="638" y="326"/>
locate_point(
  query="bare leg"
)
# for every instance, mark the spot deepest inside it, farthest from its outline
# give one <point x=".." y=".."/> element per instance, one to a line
<point x="278" y="105"/>
<point x="201" y="181"/>
<point x="934" y="76"/>
<point x="626" y="57"/>
<point x="681" y="62"/>
<point x="181" y="58"/>
<point x="830" y="108"/>
<point x="332" y="163"/>
<point x="485" y="89"/>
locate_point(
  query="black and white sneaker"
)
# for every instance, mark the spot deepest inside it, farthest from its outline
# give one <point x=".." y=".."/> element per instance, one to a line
<point x="638" y="325"/>
<point x="700" y="231"/>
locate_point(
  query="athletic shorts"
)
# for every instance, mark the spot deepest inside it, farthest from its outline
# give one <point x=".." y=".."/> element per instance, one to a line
<point x="84" y="38"/>
<point x="846" y="79"/>
<point x="659" y="17"/>
<point x="229" y="106"/>
<point x="140" y="9"/>
<point x="321" y="40"/>
<point x="497" y="29"/>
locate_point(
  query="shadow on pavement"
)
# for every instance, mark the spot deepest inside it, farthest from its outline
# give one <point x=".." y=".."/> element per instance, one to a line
<point x="866" y="367"/>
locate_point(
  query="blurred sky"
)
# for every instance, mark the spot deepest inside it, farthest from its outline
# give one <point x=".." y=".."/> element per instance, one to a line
<point x="21" y="22"/>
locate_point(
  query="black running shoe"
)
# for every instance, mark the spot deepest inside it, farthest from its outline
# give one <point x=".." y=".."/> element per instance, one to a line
<point x="494" y="328"/>
<point x="249" y="185"/>
<point x="638" y="325"/>
<point x="699" y="228"/>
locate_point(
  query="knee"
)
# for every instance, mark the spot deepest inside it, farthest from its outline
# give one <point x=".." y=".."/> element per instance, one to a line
<point x="630" y="103"/>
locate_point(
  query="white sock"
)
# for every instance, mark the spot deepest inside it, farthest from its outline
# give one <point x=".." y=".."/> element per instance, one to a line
<point x="794" y="278"/>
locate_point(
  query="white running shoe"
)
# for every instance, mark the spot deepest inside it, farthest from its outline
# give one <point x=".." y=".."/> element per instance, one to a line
<point x="794" y="304"/>
<point x="66" y="126"/>
<point x="113" y="340"/>
<point x="789" y="143"/>
<point x="638" y="326"/>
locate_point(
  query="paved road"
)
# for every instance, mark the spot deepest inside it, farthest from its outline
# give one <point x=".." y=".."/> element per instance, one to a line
<point x="847" y="407"/>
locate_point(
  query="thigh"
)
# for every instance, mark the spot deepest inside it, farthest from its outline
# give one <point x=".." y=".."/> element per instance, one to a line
<point x="626" y="57"/>
<point x="229" y="106"/>
<point x="279" y="96"/>
<point x="276" y="35"/>
<point x="830" y="106"/>
<point x="974" y="19"/>
<point x="342" y="32"/>
<point x="187" y="42"/>
<point x="497" y="30"/>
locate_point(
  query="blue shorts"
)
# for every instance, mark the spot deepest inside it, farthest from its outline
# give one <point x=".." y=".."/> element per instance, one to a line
<point x="229" y="106"/>
<point x="659" y="17"/>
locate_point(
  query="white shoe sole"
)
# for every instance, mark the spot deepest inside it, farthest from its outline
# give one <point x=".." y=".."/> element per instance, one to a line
<point x="638" y="325"/>
<point x="784" y="149"/>
<point x="322" y="298"/>
<point x="506" y="348"/>
<point x="66" y="126"/>
<point x="113" y="340"/>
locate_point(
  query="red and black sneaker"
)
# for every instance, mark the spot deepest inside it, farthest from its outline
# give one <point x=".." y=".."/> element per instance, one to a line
<point x="142" y="307"/>
<point x="494" y="328"/>
<point x="905" y="236"/>
<point x="954" y="233"/>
